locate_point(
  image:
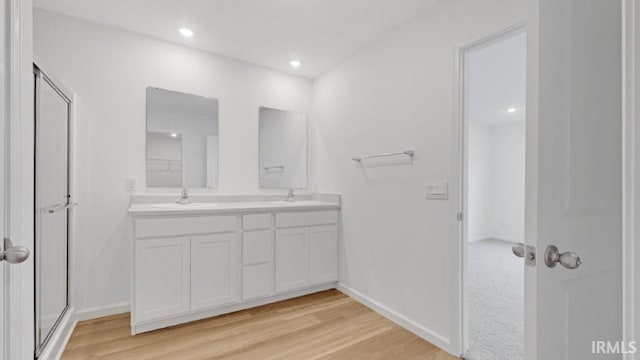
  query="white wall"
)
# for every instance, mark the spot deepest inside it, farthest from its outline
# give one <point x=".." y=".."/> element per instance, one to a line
<point x="396" y="246"/>
<point x="496" y="181"/>
<point x="480" y="191"/>
<point x="109" y="70"/>
<point x="508" y="160"/>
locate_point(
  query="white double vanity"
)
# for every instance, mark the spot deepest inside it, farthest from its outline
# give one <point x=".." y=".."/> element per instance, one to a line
<point x="208" y="254"/>
<point x="223" y="253"/>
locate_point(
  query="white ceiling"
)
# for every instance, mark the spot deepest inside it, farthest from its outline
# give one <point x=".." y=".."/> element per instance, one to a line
<point x="496" y="81"/>
<point x="319" y="33"/>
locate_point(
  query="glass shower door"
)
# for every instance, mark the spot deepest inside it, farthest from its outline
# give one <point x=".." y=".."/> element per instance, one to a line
<point x="52" y="202"/>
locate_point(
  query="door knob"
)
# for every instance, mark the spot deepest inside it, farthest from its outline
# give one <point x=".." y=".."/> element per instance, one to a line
<point x="13" y="254"/>
<point x="518" y="249"/>
<point x="567" y="259"/>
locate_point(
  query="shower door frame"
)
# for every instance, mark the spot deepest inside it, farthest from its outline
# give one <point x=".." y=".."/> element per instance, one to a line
<point x="40" y="74"/>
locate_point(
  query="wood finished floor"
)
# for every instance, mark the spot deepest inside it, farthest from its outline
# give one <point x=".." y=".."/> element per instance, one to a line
<point x="326" y="325"/>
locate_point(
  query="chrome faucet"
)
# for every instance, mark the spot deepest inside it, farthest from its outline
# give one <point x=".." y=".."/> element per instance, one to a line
<point x="184" y="197"/>
<point x="291" y="196"/>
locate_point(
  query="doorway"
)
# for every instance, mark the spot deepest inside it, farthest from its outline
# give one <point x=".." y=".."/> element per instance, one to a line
<point x="494" y="91"/>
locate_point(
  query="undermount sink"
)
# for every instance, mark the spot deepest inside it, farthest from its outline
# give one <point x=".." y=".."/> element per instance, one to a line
<point x="177" y="206"/>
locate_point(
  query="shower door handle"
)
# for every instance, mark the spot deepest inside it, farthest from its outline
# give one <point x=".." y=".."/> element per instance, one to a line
<point x="13" y="254"/>
<point x="518" y="249"/>
<point x="56" y="208"/>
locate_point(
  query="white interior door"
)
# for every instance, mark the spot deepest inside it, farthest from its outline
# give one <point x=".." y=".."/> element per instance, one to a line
<point x="16" y="180"/>
<point x="4" y="308"/>
<point x="574" y="177"/>
<point x="4" y="355"/>
<point x="15" y="308"/>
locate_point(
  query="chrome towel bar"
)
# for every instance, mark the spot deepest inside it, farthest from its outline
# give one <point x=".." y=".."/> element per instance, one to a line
<point x="409" y="153"/>
<point x="269" y="168"/>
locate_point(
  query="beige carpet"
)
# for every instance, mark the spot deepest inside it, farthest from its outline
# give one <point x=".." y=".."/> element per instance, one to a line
<point x="496" y="302"/>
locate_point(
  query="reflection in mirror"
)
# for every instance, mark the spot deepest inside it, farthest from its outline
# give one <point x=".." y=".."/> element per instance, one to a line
<point x="164" y="159"/>
<point x="283" y="149"/>
<point x="182" y="140"/>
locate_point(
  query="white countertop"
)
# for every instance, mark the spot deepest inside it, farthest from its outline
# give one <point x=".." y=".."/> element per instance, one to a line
<point x="141" y="206"/>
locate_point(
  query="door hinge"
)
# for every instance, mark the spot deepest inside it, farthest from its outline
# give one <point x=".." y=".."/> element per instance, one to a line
<point x="459" y="216"/>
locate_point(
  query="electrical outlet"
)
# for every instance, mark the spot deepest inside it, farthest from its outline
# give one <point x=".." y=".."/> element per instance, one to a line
<point x="130" y="184"/>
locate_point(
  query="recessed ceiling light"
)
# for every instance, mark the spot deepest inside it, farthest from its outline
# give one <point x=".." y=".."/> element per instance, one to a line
<point x="186" y="32"/>
<point x="512" y="110"/>
<point x="174" y="135"/>
<point x="295" y="63"/>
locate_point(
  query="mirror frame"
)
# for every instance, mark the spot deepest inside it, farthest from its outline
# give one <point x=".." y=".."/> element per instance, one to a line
<point x="306" y="170"/>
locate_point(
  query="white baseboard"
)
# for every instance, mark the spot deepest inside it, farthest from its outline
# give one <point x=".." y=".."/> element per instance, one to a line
<point x="480" y="238"/>
<point x="496" y="237"/>
<point x="102" y="311"/>
<point x="508" y="239"/>
<point x="429" y="335"/>
<point x="60" y="338"/>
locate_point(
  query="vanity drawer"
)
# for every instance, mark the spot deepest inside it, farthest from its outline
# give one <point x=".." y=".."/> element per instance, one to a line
<point x="308" y="218"/>
<point x="257" y="281"/>
<point x="184" y="226"/>
<point x="256" y="221"/>
<point x="257" y="247"/>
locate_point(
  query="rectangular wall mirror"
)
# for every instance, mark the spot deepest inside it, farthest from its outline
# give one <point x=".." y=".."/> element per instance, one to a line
<point x="182" y="140"/>
<point x="283" y="149"/>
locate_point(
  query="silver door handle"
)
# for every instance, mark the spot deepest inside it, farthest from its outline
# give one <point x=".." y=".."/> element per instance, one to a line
<point x="518" y="249"/>
<point x="569" y="260"/>
<point x="57" y="208"/>
<point x="13" y="254"/>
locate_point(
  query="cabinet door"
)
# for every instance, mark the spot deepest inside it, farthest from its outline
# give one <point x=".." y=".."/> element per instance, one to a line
<point x="213" y="270"/>
<point x="291" y="259"/>
<point x="257" y="281"/>
<point x="323" y="254"/>
<point x="162" y="277"/>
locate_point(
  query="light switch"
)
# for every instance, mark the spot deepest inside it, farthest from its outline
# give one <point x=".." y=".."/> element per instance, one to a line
<point x="130" y="184"/>
<point x="438" y="190"/>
